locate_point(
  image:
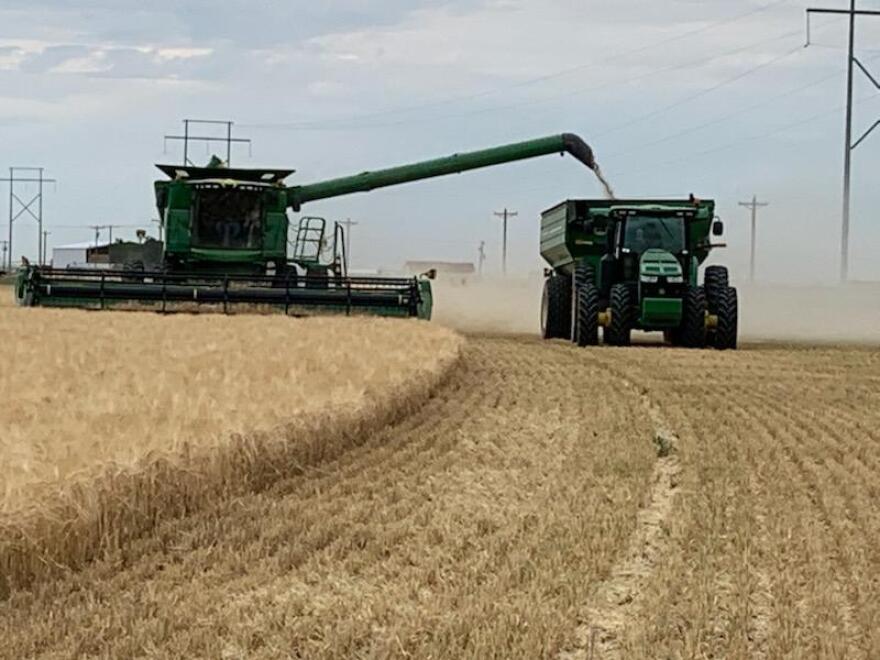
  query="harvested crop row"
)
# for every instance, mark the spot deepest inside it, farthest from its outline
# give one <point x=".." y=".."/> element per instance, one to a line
<point x="475" y="528"/>
<point x="773" y="547"/>
<point x="114" y="421"/>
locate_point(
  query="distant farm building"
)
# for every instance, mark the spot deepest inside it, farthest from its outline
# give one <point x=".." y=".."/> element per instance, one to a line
<point x="458" y="272"/>
<point x="108" y="255"/>
<point x="81" y="255"/>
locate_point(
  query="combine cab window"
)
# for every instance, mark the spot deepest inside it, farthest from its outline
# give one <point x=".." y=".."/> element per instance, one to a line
<point x="643" y="233"/>
<point x="228" y="218"/>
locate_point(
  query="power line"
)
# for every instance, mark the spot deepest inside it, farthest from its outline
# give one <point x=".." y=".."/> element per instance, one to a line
<point x="352" y="121"/>
<point x="537" y="79"/>
<point x="760" y="136"/>
<point x="754" y="205"/>
<point x="766" y="100"/>
<point x="702" y="92"/>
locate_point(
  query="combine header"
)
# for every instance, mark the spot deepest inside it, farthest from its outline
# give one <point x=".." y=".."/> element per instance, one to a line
<point x="227" y="235"/>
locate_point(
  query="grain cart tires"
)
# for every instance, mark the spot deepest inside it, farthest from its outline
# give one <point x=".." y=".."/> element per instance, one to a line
<point x="692" y="332"/>
<point x="585" y="307"/>
<point x="618" y="332"/>
<point x="726" y="309"/>
<point x="556" y="308"/>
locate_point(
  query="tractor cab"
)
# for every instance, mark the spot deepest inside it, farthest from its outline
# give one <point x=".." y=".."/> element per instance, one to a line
<point x="651" y="242"/>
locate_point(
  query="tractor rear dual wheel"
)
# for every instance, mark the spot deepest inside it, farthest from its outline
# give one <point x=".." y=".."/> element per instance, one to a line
<point x="585" y="307"/>
<point x="692" y="331"/>
<point x="715" y="279"/>
<point x="619" y="330"/>
<point x="725" y="307"/>
<point x="556" y="308"/>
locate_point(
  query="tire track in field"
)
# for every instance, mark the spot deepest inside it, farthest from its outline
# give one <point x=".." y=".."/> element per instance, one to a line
<point x="613" y="601"/>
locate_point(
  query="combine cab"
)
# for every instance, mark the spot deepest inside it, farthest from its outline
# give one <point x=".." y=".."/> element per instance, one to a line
<point x="634" y="265"/>
<point x="227" y="240"/>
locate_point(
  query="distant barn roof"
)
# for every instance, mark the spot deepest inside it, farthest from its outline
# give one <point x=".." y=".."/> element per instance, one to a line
<point x="458" y="267"/>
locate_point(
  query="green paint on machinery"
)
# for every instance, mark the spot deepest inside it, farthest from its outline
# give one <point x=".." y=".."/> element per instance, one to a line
<point x="624" y="265"/>
<point x="227" y="234"/>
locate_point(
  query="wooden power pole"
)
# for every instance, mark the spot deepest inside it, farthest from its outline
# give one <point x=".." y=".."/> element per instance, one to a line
<point x="754" y="205"/>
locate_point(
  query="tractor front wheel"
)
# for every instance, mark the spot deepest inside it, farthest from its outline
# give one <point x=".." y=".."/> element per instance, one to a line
<point x="726" y="309"/>
<point x="619" y="331"/>
<point x="692" y="331"/>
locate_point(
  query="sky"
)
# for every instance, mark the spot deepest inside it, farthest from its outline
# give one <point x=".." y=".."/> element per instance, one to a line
<point x="719" y="98"/>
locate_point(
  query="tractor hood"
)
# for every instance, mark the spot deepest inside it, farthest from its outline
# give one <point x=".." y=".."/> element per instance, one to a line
<point x="658" y="263"/>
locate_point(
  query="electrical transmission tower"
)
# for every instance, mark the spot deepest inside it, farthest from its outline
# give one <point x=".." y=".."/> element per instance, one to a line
<point x="18" y="207"/>
<point x="186" y="138"/>
<point x="482" y="257"/>
<point x="505" y="214"/>
<point x="849" y="145"/>
<point x="754" y="205"/>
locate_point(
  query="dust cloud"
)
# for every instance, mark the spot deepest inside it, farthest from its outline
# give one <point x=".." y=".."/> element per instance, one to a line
<point x="821" y="314"/>
<point x="833" y="314"/>
<point x="490" y="305"/>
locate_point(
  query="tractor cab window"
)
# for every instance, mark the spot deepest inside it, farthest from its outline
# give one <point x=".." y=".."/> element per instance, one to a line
<point x="643" y="233"/>
<point x="228" y="218"/>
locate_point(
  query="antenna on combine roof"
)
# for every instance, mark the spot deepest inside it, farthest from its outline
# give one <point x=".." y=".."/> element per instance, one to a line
<point x="186" y="138"/>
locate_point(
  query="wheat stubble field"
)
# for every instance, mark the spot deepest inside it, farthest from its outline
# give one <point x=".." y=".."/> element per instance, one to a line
<point x="112" y="422"/>
<point x="545" y="501"/>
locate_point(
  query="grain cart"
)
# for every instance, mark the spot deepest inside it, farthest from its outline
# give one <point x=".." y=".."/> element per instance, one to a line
<point x="227" y="243"/>
<point x="624" y="265"/>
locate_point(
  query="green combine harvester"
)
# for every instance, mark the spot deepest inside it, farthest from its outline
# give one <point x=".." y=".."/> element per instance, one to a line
<point x="227" y="240"/>
<point x="624" y="265"/>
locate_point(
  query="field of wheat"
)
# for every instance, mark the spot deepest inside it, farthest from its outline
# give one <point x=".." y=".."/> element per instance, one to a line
<point x="545" y="501"/>
<point x="113" y="421"/>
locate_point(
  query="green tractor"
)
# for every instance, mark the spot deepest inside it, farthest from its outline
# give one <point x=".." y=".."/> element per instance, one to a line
<point x="228" y="239"/>
<point x="624" y="265"/>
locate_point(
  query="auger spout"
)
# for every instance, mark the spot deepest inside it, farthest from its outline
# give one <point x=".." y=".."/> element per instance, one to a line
<point x="454" y="164"/>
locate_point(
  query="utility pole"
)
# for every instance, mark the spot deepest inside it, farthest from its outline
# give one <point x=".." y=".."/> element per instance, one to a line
<point x="849" y="145"/>
<point x="349" y="223"/>
<point x="98" y="229"/>
<point x="754" y="205"/>
<point x="161" y="226"/>
<point x="4" y="248"/>
<point x="482" y="252"/>
<point x="18" y="207"/>
<point x="45" y="245"/>
<point x="505" y="214"/>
